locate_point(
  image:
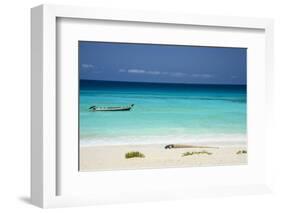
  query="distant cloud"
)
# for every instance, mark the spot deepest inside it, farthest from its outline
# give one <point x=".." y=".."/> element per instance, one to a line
<point x="137" y="71"/>
<point x="151" y="72"/>
<point x="177" y="74"/>
<point x="201" y="76"/>
<point x="141" y="71"/>
<point x="122" y="70"/>
<point x="90" y="68"/>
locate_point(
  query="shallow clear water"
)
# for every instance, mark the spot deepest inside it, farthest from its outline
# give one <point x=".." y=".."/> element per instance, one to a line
<point x="163" y="113"/>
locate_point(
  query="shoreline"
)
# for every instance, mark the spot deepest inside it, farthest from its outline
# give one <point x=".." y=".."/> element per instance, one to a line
<point x="105" y="157"/>
<point x="217" y="144"/>
<point x="206" y="140"/>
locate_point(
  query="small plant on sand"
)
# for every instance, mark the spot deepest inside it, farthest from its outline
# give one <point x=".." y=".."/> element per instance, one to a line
<point x="134" y="155"/>
<point x="196" y="153"/>
<point x="241" y="152"/>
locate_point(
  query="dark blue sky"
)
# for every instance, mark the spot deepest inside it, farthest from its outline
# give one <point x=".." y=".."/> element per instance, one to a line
<point x="162" y="63"/>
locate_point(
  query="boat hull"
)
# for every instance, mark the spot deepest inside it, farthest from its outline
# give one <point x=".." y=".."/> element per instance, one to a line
<point x="110" y="109"/>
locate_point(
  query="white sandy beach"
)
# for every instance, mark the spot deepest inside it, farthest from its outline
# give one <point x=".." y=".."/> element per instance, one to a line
<point x="98" y="158"/>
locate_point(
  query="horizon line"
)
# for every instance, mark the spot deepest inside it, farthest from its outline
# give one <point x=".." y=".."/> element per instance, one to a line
<point x="164" y="82"/>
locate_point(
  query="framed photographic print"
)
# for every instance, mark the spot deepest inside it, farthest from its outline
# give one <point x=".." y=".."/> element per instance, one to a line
<point x="130" y="106"/>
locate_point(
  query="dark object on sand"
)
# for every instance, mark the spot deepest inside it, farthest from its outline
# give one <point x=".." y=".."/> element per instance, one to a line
<point x="176" y="146"/>
<point x="126" y="108"/>
<point x="170" y="146"/>
<point x="241" y="152"/>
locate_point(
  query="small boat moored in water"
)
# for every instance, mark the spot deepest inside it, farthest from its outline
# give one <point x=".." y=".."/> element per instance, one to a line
<point x="126" y="108"/>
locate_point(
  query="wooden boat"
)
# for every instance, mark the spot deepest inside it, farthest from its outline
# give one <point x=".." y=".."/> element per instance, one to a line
<point x="95" y="108"/>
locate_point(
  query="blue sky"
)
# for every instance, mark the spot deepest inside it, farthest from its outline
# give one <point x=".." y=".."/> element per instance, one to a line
<point x="162" y="63"/>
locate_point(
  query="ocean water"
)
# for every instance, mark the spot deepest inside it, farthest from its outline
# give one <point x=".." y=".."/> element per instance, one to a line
<point x="163" y="113"/>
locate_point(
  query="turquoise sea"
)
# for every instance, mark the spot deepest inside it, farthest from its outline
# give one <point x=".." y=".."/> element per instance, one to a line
<point x="163" y="113"/>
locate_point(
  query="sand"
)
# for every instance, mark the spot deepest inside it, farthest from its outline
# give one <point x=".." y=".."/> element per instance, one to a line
<point x="101" y="158"/>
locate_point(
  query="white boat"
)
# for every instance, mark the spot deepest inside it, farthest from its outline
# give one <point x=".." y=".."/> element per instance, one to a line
<point x="125" y="108"/>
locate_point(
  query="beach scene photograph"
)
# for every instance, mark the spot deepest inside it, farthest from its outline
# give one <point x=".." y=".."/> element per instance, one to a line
<point x="151" y="106"/>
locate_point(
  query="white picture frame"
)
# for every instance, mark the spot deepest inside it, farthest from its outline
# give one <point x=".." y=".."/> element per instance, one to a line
<point x="45" y="168"/>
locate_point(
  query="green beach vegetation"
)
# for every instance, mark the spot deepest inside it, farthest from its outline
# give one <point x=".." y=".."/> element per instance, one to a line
<point x="196" y="153"/>
<point x="134" y="154"/>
